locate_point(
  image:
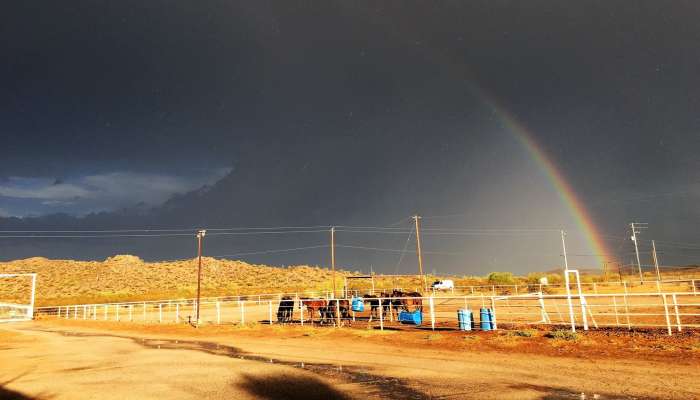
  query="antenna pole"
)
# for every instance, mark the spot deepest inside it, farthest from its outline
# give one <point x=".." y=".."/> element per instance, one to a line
<point x="418" y="250"/>
<point x="567" y="283"/>
<point x="656" y="261"/>
<point x="636" y="248"/>
<point x="563" y="245"/>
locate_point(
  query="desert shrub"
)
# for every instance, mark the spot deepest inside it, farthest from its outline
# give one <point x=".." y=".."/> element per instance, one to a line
<point x="563" y="335"/>
<point x="523" y="333"/>
<point x="501" y="278"/>
<point x="555" y="279"/>
<point x="534" y="277"/>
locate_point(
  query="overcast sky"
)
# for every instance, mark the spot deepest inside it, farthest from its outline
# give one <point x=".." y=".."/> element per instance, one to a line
<point x="362" y="113"/>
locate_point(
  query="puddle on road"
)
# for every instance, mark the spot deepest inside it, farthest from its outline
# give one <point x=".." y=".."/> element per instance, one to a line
<point x="385" y="386"/>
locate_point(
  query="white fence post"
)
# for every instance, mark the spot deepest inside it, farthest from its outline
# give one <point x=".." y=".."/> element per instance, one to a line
<point x="617" y="317"/>
<point x="493" y="315"/>
<point x="301" y="311"/>
<point x="627" y="311"/>
<point x="381" y="314"/>
<point x="270" y="311"/>
<point x="668" y="319"/>
<point x="432" y="312"/>
<point x="337" y="311"/>
<point x="694" y="288"/>
<point x="94" y="313"/>
<point x="678" y="316"/>
<point x="85" y="312"/>
<point x="106" y="311"/>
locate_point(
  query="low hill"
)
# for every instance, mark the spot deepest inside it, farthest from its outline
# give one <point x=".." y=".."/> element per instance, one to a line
<point x="126" y="277"/>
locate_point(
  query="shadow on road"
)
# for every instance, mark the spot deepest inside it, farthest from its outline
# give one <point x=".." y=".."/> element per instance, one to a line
<point x="286" y="387"/>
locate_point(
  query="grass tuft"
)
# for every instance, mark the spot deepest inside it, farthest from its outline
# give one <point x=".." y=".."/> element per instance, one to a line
<point x="563" y="335"/>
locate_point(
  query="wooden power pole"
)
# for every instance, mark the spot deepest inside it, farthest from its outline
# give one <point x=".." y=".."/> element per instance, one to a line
<point x="200" y="236"/>
<point x="418" y="250"/>
<point x="333" y="257"/>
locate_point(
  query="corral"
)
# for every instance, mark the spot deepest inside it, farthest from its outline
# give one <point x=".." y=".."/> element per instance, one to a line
<point x="669" y="311"/>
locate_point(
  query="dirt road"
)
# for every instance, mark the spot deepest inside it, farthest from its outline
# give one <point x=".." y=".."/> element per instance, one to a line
<point x="89" y="360"/>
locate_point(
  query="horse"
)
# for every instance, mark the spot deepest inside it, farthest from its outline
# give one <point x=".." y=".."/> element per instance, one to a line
<point x="329" y="312"/>
<point x="373" y="305"/>
<point x="313" y="306"/>
<point x="285" y="311"/>
<point x="407" y="300"/>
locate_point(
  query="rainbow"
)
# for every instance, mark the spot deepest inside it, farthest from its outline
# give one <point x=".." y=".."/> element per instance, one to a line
<point x="566" y="193"/>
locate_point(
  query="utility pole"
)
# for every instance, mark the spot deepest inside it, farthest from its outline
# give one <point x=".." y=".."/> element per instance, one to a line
<point x="619" y="269"/>
<point x="605" y="270"/>
<point x="635" y="226"/>
<point x="418" y="250"/>
<point x="333" y="256"/>
<point x="200" y="236"/>
<point x="656" y="261"/>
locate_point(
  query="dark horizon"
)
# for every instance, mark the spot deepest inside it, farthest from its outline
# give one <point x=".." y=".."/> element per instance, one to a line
<point x="228" y="114"/>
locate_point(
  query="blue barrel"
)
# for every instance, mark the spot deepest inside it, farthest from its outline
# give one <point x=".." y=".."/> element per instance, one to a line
<point x="358" y="305"/>
<point x="465" y="319"/>
<point x="415" y="318"/>
<point x="485" y="319"/>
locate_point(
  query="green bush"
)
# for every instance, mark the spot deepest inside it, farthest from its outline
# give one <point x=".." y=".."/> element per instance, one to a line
<point x="501" y="278"/>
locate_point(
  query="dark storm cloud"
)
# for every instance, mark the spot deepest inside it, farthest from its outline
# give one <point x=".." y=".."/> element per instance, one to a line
<point x="371" y="104"/>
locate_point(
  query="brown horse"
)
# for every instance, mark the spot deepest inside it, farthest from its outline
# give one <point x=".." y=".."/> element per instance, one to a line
<point x="319" y="306"/>
<point x="409" y="301"/>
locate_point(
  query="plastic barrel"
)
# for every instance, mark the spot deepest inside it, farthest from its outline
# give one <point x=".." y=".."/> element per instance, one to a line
<point x="358" y="305"/>
<point x="465" y="319"/>
<point x="485" y="319"/>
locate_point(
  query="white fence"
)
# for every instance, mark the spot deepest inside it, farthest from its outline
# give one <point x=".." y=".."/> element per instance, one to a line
<point x="16" y="310"/>
<point x="673" y="311"/>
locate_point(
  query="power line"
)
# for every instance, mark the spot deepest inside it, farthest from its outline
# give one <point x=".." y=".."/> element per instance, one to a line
<point x="94" y="236"/>
<point x="396" y="250"/>
<point x="193" y="230"/>
<point x="271" y="251"/>
<point x="140" y="235"/>
<point x="403" y="253"/>
<point x="266" y="232"/>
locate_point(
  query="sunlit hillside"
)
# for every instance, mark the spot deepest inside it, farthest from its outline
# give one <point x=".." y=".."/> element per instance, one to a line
<point x="126" y="277"/>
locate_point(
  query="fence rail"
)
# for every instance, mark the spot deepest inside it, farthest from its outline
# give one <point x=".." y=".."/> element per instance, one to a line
<point x="670" y="311"/>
